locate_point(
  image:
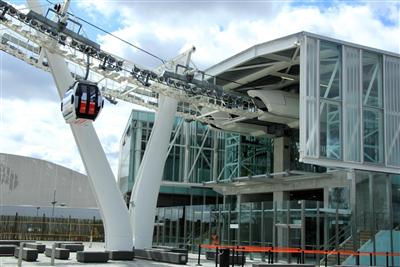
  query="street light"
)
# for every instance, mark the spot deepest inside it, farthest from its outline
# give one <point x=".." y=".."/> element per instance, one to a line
<point x="54" y="202"/>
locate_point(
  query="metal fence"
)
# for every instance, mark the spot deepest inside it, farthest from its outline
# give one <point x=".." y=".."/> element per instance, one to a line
<point x="49" y="228"/>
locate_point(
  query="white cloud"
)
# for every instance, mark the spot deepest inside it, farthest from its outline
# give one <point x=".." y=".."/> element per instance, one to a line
<point x="37" y="129"/>
<point x="217" y="37"/>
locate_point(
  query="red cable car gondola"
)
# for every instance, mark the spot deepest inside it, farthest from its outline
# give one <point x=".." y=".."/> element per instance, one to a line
<point x="82" y="102"/>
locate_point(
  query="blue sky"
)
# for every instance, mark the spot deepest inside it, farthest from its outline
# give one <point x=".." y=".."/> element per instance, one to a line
<point x="29" y="107"/>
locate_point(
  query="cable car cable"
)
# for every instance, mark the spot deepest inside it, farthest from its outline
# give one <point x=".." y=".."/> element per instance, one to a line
<point x="142" y="75"/>
<point x="144" y="50"/>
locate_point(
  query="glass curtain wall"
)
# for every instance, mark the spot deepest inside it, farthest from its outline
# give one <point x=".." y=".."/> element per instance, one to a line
<point x="197" y="153"/>
<point x="255" y="224"/>
<point x="330" y="69"/>
<point x="349" y="106"/>
<point x="246" y="155"/>
<point x="372" y="107"/>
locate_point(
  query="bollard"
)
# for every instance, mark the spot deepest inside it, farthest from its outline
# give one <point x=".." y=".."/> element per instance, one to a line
<point x="198" y="258"/>
<point x="387" y="259"/>
<point x="326" y="258"/>
<point x="233" y="257"/>
<point x="298" y="258"/>
<point x="242" y="258"/>
<point x="338" y="258"/>
<point x="302" y="257"/>
<point x="21" y="247"/>
<point x="216" y="257"/>
<point x="237" y="255"/>
<point x="370" y="259"/>
<point x="357" y="259"/>
<point x="272" y="255"/>
<point x="53" y="253"/>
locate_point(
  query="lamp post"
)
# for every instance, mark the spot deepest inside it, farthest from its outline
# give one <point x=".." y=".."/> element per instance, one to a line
<point x="54" y="202"/>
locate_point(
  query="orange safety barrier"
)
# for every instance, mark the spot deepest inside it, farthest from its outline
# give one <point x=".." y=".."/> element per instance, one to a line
<point x="256" y="249"/>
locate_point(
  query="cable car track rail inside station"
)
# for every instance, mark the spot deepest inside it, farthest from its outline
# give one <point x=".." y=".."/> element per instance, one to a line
<point x="118" y="78"/>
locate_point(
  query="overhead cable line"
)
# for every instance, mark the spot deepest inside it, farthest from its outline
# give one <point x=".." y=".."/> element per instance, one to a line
<point x="144" y="50"/>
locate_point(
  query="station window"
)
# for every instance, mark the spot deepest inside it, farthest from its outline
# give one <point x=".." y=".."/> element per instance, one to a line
<point x="372" y="107"/>
<point x="330" y="100"/>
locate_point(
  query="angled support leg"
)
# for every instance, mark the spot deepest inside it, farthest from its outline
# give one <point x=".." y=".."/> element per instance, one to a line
<point x="118" y="232"/>
<point x="147" y="183"/>
<point x="148" y="180"/>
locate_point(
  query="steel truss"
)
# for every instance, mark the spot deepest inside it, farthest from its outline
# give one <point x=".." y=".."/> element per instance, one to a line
<point x="26" y="34"/>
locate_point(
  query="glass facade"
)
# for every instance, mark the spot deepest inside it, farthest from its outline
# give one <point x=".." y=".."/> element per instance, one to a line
<point x="197" y="153"/>
<point x="330" y="69"/>
<point x="255" y="223"/>
<point x="349" y="106"/>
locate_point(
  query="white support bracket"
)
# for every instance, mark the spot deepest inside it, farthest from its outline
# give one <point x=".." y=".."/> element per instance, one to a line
<point x="145" y="191"/>
<point x="118" y="233"/>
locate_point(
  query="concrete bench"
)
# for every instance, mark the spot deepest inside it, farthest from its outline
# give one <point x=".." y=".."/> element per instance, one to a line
<point x="73" y="247"/>
<point x="7" y="250"/>
<point x="169" y="256"/>
<point x="58" y="244"/>
<point x="281" y="265"/>
<point x="162" y="255"/>
<point x="92" y="256"/>
<point x="28" y="254"/>
<point x="59" y="253"/>
<point x="121" y="255"/>
<point x="15" y="242"/>
<point x="143" y="254"/>
<point x="40" y="247"/>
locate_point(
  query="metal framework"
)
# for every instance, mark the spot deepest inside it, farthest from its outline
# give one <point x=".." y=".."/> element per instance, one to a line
<point x="120" y="79"/>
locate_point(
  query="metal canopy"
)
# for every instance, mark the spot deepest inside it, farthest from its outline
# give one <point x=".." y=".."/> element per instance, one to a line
<point x="270" y="65"/>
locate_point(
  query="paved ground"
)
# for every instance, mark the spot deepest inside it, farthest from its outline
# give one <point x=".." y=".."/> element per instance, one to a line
<point x="45" y="261"/>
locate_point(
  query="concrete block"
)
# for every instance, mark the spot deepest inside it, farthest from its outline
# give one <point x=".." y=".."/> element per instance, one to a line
<point x="121" y="255"/>
<point x="73" y="247"/>
<point x="281" y="265"/>
<point x="143" y="254"/>
<point x="60" y="253"/>
<point x="92" y="256"/>
<point x="174" y="257"/>
<point x="162" y="255"/>
<point x="15" y="242"/>
<point x="40" y="247"/>
<point x="7" y="250"/>
<point x="28" y="254"/>
<point x="58" y="244"/>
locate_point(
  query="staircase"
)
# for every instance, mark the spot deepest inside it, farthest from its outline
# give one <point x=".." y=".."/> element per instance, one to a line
<point x="347" y="244"/>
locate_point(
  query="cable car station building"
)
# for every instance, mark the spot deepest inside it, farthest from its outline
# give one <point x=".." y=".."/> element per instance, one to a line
<point x="319" y="169"/>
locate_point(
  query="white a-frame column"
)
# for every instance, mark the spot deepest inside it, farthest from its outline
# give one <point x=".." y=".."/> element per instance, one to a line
<point x="114" y="213"/>
<point x="148" y="179"/>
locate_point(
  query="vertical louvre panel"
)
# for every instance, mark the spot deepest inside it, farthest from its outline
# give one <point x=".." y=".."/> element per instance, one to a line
<point x="311" y="99"/>
<point x="351" y="105"/>
<point x="392" y="110"/>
